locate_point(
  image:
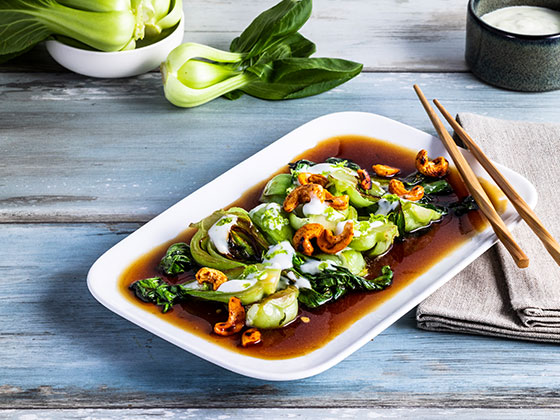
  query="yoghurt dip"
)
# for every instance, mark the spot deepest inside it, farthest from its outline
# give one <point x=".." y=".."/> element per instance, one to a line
<point x="525" y="20"/>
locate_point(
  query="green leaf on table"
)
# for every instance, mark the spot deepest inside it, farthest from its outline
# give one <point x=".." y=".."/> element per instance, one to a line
<point x="293" y="78"/>
<point x="294" y="45"/>
<point x="285" y="18"/>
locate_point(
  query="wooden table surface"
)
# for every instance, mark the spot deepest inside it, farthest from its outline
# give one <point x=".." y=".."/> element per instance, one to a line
<point x="84" y="162"/>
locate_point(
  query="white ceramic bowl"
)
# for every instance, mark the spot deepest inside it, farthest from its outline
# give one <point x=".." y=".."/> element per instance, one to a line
<point x="119" y="63"/>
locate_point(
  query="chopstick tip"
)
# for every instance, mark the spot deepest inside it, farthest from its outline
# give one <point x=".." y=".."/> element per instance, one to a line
<point x="523" y="262"/>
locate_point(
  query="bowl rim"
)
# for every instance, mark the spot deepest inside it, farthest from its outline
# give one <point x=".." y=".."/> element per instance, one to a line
<point x="472" y="13"/>
<point x="179" y="26"/>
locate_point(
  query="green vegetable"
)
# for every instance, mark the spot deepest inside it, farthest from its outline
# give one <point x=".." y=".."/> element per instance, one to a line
<point x="261" y="281"/>
<point x="464" y="206"/>
<point x="245" y="244"/>
<point x="431" y="185"/>
<point x="160" y="15"/>
<point x="409" y="216"/>
<point x="438" y="187"/>
<point x="417" y="216"/>
<point x="155" y="290"/>
<point x="106" y="25"/>
<point x="274" y="311"/>
<point x="269" y="60"/>
<point x="276" y="189"/>
<point x="359" y="200"/>
<point x="266" y="283"/>
<point x="346" y="183"/>
<point x="329" y="219"/>
<point x="177" y="260"/>
<point x="298" y="165"/>
<point x="376" y="235"/>
<point x="344" y="162"/>
<point x="343" y="179"/>
<point x="285" y="18"/>
<point x="273" y="221"/>
<point x="331" y="284"/>
<point x="350" y="259"/>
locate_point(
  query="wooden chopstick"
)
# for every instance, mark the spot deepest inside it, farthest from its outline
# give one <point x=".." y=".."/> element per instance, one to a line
<point x="474" y="187"/>
<point x="517" y="201"/>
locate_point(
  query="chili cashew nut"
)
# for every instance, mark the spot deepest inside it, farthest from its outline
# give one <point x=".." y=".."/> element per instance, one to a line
<point x="385" y="171"/>
<point x="236" y="319"/>
<point x="210" y="275"/>
<point x="365" y="179"/>
<point x="397" y="187"/>
<point x="327" y="241"/>
<point x="330" y="243"/>
<point x="337" y="202"/>
<point x="251" y="337"/>
<point x="307" y="178"/>
<point x="303" y="194"/>
<point x="436" y="168"/>
<point x="304" y="235"/>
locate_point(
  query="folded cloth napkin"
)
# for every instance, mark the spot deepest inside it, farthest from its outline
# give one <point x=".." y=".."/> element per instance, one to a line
<point x="492" y="296"/>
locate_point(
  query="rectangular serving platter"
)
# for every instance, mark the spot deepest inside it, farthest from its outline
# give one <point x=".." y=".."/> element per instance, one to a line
<point x="104" y="274"/>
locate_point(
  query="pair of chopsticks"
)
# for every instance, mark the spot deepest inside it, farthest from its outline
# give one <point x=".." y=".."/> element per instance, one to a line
<point x="478" y="193"/>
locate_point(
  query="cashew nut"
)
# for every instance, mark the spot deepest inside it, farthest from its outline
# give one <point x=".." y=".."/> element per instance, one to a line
<point x="307" y="178"/>
<point x="397" y="187"/>
<point x="436" y="168"/>
<point x="337" y="202"/>
<point x="251" y="337"/>
<point x="385" y="171"/>
<point x="236" y="319"/>
<point x="303" y="194"/>
<point x="330" y="243"/>
<point x="304" y="235"/>
<point x="365" y="179"/>
<point x="210" y="275"/>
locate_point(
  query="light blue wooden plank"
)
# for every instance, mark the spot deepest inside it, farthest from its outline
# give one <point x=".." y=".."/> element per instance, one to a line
<point x="296" y="414"/>
<point x="388" y="35"/>
<point x="76" y="149"/>
<point x="59" y="348"/>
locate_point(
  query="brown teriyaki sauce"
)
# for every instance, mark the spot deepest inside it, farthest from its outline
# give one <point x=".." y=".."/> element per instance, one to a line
<point x="408" y="259"/>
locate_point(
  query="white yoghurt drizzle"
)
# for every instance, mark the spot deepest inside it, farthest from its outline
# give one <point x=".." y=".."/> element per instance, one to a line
<point x="239" y="285"/>
<point x="219" y="233"/>
<point x="525" y="20"/>
<point x="385" y="206"/>
<point x="327" y="168"/>
<point x="316" y="266"/>
<point x="299" y="281"/>
<point x="236" y="285"/>
<point x="280" y="256"/>
<point x="340" y="226"/>
<point x="314" y="207"/>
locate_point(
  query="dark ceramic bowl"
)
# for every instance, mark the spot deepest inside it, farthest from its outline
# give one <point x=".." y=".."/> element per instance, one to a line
<point x="529" y="63"/>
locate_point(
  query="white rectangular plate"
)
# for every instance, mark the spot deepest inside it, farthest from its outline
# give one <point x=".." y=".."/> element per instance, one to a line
<point x="104" y="274"/>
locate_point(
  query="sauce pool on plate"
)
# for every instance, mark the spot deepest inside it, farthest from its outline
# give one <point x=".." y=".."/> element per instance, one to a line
<point x="314" y="328"/>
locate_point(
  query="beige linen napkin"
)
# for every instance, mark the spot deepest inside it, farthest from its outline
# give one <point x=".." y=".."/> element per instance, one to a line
<point x="492" y="296"/>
